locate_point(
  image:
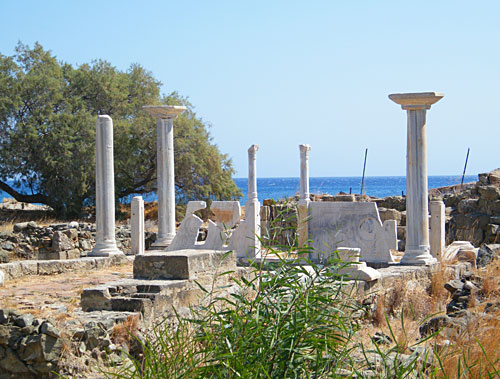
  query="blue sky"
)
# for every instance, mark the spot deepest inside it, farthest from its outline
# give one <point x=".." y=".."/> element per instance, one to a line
<point x="281" y="73"/>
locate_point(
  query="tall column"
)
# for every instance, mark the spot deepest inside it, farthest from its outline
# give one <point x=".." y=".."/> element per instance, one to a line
<point x="105" y="190"/>
<point x="252" y="207"/>
<point x="165" y="115"/>
<point x="417" y="211"/>
<point x="137" y="226"/>
<point x="438" y="230"/>
<point x="303" y="206"/>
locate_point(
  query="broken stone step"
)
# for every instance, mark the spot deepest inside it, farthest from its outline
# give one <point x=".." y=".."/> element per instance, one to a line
<point x="151" y="296"/>
<point x="132" y="304"/>
<point x="100" y="297"/>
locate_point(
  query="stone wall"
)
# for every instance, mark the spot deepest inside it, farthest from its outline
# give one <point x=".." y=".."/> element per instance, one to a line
<point x="474" y="211"/>
<point x="72" y="240"/>
<point x="29" y="347"/>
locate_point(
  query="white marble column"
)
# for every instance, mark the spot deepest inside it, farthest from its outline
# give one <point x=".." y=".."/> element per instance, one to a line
<point x="304" y="171"/>
<point x="438" y="230"/>
<point x="252" y="173"/>
<point x="252" y="207"/>
<point x="105" y="190"/>
<point x="417" y="213"/>
<point x="137" y="245"/>
<point x="165" y="115"/>
<point x="303" y="205"/>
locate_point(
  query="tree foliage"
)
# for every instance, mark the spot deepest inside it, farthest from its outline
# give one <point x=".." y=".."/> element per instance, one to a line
<point x="48" y="112"/>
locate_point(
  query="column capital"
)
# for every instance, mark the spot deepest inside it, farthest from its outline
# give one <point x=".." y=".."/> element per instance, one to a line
<point x="253" y="149"/>
<point x="164" y="111"/>
<point x="416" y="101"/>
<point x="304" y="148"/>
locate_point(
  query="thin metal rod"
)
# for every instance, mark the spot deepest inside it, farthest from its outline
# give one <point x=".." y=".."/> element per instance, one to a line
<point x="363" y="178"/>
<point x="465" y="167"/>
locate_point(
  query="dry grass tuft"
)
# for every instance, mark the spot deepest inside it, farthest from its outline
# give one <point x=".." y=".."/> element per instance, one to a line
<point x="123" y="332"/>
<point x="490" y="286"/>
<point x="379" y="313"/>
<point x="476" y="349"/>
<point x="396" y="297"/>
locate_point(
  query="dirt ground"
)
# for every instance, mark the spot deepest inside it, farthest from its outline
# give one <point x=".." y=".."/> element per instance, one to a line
<point x="56" y="296"/>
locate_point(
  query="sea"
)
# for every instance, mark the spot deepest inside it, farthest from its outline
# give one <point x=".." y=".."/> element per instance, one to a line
<point x="279" y="188"/>
<point x="378" y="186"/>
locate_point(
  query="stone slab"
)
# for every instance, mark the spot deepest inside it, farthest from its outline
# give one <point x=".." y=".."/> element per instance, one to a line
<point x="351" y="224"/>
<point x="182" y="264"/>
<point x="14" y="270"/>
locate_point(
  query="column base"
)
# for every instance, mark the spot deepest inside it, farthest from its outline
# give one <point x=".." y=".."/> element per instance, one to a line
<point x="418" y="257"/>
<point x="105" y="249"/>
<point x="162" y="243"/>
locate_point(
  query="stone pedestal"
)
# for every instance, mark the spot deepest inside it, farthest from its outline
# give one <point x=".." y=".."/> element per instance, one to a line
<point x="105" y="190"/>
<point x="438" y="233"/>
<point x="137" y="226"/>
<point x="417" y="212"/>
<point x="304" y="200"/>
<point x="165" y="115"/>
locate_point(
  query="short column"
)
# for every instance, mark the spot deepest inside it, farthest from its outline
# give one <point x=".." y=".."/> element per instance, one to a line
<point x="438" y="231"/>
<point x="105" y="190"/>
<point x="165" y="115"/>
<point x="137" y="245"/>
<point x="417" y="211"/>
<point x="303" y="205"/>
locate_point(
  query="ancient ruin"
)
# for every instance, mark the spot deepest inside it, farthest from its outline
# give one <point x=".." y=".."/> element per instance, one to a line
<point x="105" y="190"/>
<point x="165" y="115"/>
<point x="363" y="233"/>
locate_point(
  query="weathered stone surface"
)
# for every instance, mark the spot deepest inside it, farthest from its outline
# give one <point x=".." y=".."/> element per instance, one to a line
<point x="389" y="214"/>
<point x="128" y="304"/>
<point x="487" y="253"/>
<point x="49" y="329"/>
<point x="24" y="225"/>
<point x="452" y="250"/>
<point x="8" y="246"/>
<point x="96" y="298"/>
<point x="454" y="285"/>
<point x="50" y="267"/>
<point x="182" y="264"/>
<point x="489" y="192"/>
<point x="24" y="320"/>
<point x="357" y="270"/>
<point x="392" y="202"/>
<point x="433" y="325"/>
<point x="4" y="256"/>
<point x="28" y="267"/>
<point x="468" y="205"/>
<point x="12" y="364"/>
<point x="61" y="242"/>
<point x="72" y="234"/>
<point x="354" y="225"/>
<point x="187" y="234"/>
<point x="12" y="270"/>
